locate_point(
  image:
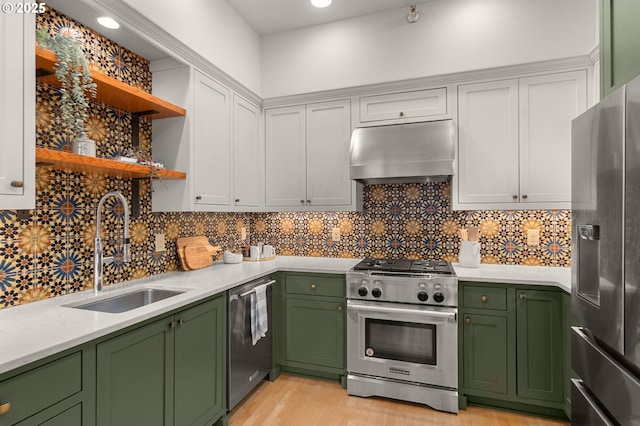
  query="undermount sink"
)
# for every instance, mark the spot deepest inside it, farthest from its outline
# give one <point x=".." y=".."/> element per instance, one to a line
<point x="126" y="302"/>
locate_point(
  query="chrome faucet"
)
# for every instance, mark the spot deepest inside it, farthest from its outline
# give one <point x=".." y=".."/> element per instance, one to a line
<point x="98" y="259"/>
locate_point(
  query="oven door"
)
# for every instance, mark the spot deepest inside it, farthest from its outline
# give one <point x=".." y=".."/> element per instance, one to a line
<point x="403" y="342"/>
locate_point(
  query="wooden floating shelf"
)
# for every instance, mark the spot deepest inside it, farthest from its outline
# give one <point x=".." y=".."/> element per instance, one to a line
<point x="86" y="164"/>
<point x="111" y="91"/>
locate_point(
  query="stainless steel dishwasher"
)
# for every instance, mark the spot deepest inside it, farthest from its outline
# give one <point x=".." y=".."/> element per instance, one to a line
<point x="247" y="364"/>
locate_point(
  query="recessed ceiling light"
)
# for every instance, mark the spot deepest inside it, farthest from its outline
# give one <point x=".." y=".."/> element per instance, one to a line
<point x="321" y="3"/>
<point x="105" y="21"/>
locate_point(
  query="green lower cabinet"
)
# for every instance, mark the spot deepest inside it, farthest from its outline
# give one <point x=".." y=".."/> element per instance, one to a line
<point x="314" y="332"/>
<point x="485" y="353"/>
<point x="512" y="351"/>
<point x="539" y="345"/>
<point x="54" y="391"/>
<point x="200" y="364"/>
<point x="135" y="377"/>
<point x="568" y="322"/>
<point x="169" y="372"/>
<point x="69" y="417"/>
<point x="309" y="316"/>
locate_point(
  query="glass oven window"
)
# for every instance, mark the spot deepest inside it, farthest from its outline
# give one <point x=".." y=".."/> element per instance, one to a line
<point x="400" y="341"/>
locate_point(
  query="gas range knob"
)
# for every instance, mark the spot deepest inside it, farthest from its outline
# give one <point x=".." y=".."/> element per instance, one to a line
<point x="438" y="297"/>
<point x="376" y="292"/>
<point x="363" y="291"/>
<point x="423" y="296"/>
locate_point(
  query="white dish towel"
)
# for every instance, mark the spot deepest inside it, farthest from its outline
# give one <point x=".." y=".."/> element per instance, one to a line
<point x="259" y="315"/>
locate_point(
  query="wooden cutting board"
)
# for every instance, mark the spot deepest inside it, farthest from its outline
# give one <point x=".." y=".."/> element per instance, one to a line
<point x="197" y="256"/>
<point x="202" y="240"/>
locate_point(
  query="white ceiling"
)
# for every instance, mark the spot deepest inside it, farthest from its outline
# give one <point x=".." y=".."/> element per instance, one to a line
<point x="264" y="16"/>
<point x="274" y="16"/>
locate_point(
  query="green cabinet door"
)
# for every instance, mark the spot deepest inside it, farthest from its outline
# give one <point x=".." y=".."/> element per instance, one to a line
<point x="135" y="377"/>
<point x="485" y="353"/>
<point x="539" y="345"/>
<point x="70" y="417"/>
<point x="314" y="332"/>
<point x="619" y="43"/>
<point x="568" y="321"/>
<point x="200" y="363"/>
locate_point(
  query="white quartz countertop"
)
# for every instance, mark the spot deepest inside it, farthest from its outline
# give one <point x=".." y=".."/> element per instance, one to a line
<point x="515" y="274"/>
<point x="36" y="330"/>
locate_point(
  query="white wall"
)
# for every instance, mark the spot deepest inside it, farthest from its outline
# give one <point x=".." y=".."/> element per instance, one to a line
<point x="213" y="29"/>
<point x="451" y="36"/>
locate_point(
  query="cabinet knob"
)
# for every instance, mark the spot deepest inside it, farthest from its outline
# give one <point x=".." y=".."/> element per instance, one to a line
<point x="339" y="308"/>
<point x="4" y="408"/>
<point x="301" y="201"/>
<point x="313" y="286"/>
<point x="483" y="298"/>
<point x="17" y="183"/>
<point x="524" y="197"/>
<point x="468" y="320"/>
<point x="237" y="200"/>
<point x="401" y="114"/>
<point x="172" y="324"/>
<point x="180" y="321"/>
<point x="198" y="197"/>
<point x="523" y="296"/>
<point x="515" y="197"/>
<point x="308" y="201"/>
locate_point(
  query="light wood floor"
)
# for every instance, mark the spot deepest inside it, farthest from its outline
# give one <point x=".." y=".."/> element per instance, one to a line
<point x="298" y="401"/>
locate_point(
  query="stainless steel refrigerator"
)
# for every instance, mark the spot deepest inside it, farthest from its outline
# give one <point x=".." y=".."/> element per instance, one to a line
<point x="605" y="295"/>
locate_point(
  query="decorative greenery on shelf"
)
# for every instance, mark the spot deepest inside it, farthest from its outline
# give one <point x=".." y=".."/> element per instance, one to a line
<point x="72" y="70"/>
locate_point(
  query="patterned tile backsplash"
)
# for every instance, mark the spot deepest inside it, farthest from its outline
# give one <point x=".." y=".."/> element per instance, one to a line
<point x="50" y="252"/>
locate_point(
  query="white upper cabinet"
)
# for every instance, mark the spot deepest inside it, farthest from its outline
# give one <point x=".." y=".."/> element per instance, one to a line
<point x="419" y="105"/>
<point x="17" y="111"/>
<point x="286" y="157"/>
<point x="487" y="142"/>
<point x="328" y="141"/>
<point x="212" y="142"/>
<point x="514" y="142"/>
<point x="307" y="158"/>
<point x="218" y="145"/>
<point x="247" y="170"/>
<point x="548" y="103"/>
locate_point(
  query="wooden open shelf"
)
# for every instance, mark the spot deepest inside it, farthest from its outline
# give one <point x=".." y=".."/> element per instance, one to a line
<point x="83" y="163"/>
<point x="111" y="91"/>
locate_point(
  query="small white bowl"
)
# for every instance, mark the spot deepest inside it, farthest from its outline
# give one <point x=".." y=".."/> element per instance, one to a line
<point x="229" y="257"/>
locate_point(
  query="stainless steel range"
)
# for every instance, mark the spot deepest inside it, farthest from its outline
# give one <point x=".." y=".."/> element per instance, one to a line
<point x="402" y="331"/>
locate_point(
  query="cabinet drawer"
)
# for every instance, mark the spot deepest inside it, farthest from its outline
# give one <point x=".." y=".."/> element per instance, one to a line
<point x="421" y="103"/>
<point x="317" y="286"/>
<point x="37" y="389"/>
<point x="485" y="298"/>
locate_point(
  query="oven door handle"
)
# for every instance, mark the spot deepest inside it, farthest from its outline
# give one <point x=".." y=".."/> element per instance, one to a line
<point x="446" y="315"/>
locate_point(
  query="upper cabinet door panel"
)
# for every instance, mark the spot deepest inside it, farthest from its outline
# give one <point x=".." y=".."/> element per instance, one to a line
<point x="548" y="104"/>
<point x="286" y="156"/>
<point x="619" y="44"/>
<point x="246" y="157"/>
<point x="488" y="142"/>
<point x="212" y="147"/>
<point x="17" y="111"/>
<point x="406" y="105"/>
<point x="328" y="138"/>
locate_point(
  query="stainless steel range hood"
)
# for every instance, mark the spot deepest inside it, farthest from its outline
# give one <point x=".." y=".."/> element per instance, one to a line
<point x="403" y="153"/>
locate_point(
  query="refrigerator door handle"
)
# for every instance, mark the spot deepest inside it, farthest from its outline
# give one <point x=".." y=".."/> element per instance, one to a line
<point x="589" y="232"/>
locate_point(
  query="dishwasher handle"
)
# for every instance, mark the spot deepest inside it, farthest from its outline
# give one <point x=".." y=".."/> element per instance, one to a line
<point x="246" y="293"/>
